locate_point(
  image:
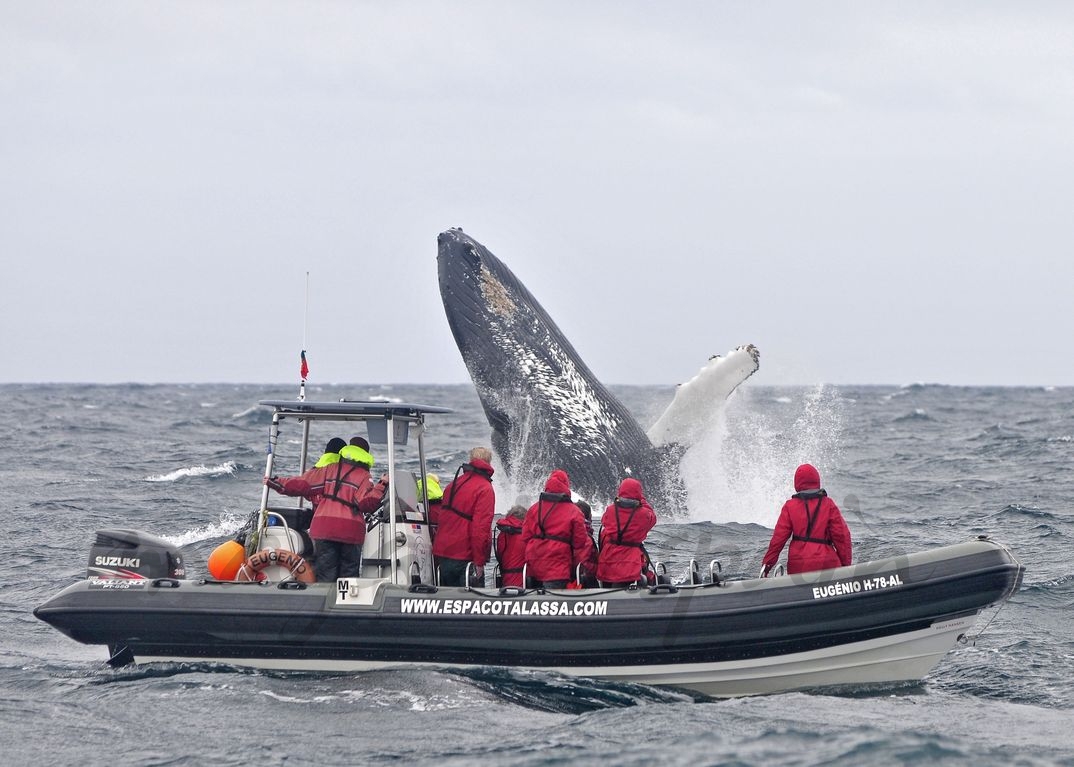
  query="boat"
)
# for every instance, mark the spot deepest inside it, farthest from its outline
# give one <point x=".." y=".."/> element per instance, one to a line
<point x="885" y="621"/>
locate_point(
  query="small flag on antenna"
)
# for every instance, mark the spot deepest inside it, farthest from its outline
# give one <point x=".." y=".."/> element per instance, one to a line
<point x="305" y="368"/>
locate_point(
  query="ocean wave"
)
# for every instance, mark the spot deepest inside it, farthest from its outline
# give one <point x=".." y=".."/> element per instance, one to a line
<point x="227" y="468"/>
<point x="1061" y="584"/>
<point x="1017" y="510"/>
<point x="918" y="414"/>
<point x="996" y="431"/>
<point x="227" y="526"/>
<point x="555" y="693"/>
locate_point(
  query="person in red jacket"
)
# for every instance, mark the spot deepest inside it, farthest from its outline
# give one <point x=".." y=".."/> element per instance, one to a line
<point x="555" y="536"/>
<point x="464" y="533"/>
<point x="510" y="551"/>
<point x="338" y="527"/>
<point x="309" y="484"/>
<point x="623" y="528"/>
<point x="819" y="537"/>
<point x="589" y="567"/>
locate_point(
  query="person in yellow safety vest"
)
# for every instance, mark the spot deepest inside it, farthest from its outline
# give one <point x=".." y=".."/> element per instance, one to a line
<point x="338" y="527"/>
<point x="432" y="502"/>
<point x="310" y="484"/>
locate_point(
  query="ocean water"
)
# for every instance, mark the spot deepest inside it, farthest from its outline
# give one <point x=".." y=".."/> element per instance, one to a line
<point x="913" y="467"/>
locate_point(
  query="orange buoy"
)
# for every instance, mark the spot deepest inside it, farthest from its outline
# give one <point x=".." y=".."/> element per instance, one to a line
<point x="251" y="569"/>
<point x="226" y="559"/>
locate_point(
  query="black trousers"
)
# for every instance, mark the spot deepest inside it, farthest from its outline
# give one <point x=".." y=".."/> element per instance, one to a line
<point x="548" y="584"/>
<point x="453" y="573"/>
<point x="332" y="559"/>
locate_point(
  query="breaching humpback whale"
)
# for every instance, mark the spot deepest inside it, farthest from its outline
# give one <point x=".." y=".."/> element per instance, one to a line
<point x="546" y="408"/>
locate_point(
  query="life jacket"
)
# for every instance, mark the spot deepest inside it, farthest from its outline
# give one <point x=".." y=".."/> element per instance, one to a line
<point x="819" y="537"/>
<point x="624" y="527"/>
<point x="542" y="516"/>
<point x="349" y="494"/>
<point x="811" y="516"/>
<point x="510" y="550"/>
<point x="621" y="527"/>
<point x="471" y="472"/>
<point x="348" y="485"/>
<point x="554" y="533"/>
<point x="464" y="530"/>
<point x="326" y="459"/>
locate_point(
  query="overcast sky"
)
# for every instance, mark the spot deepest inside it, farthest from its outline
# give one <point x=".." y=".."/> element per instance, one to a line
<point x="869" y="192"/>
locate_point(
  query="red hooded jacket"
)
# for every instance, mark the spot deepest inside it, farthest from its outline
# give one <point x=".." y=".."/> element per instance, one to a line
<point x="464" y="532"/>
<point x="510" y="550"/>
<point x="554" y="533"/>
<point x="623" y="528"/>
<point x="820" y="539"/>
<point x="309" y="484"/>
<point x="349" y="494"/>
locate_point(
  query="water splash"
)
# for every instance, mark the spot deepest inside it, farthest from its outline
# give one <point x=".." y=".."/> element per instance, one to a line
<point x="530" y="463"/>
<point x="228" y="468"/>
<point x="225" y="527"/>
<point x="740" y="469"/>
<point x="741" y="465"/>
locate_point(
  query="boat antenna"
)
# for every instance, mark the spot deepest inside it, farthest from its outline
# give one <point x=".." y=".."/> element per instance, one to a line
<point x="304" y="368"/>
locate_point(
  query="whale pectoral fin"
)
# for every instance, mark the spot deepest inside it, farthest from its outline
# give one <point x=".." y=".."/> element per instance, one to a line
<point x="697" y="398"/>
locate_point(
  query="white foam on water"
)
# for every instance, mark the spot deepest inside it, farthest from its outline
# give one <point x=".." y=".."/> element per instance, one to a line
<point x="740" y="469"/>
<point x="228" y="467"/>
<point x="228" y="524"/>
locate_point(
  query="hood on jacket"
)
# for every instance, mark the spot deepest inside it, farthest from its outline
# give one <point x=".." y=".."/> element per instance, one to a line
<point x="355" y="454"/>
<point x="484" y="466"/>
<point x="558" y="482"/>
<point x="631" y="488"/>
<point x="432" y="484"/>
<point x="806" y="477"/>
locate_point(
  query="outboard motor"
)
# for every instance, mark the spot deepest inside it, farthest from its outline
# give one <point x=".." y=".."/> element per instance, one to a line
<point x="132" y="554"/>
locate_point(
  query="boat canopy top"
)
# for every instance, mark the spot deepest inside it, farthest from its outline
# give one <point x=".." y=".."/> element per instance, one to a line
<point x="352" y="409"/>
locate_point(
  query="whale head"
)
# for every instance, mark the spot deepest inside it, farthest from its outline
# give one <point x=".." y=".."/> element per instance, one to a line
<point x="546" y="408"/>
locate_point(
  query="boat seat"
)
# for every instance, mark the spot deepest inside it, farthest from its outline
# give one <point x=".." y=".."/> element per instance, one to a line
<point x="296" y="517"/>
<point x="278" y="535"/>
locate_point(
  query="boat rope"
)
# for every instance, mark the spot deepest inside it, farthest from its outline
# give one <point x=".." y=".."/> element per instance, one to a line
<point x="972" y="640"/>
<point x="1003" y="600"/>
